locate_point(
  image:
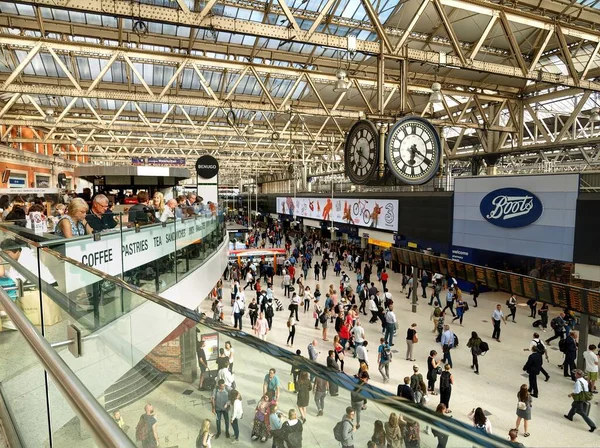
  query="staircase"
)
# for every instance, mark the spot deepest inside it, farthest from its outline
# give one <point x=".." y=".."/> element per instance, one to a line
<point x="134" y="385"/>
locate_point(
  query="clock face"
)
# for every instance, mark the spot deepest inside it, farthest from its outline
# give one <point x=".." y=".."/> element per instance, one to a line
<point x="362" y="152"/>
<point x="413" y="150"/>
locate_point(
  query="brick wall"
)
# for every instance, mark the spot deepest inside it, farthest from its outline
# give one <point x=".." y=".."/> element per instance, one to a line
<point x="166" y="357"/>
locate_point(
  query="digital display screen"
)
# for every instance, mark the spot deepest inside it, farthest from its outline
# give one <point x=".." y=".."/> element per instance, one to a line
<point x="480" y="274"/>
<point x="516" y="287"/>
<point x="460" y="271"/>
<point x="529" y="291"/>
<point x="490" y="276"/>
<point x="577" y="300"/>
<point x="451" y="269"/>
<point x="593" y="302"/>
<point x="560" y="295"/>
<point x="412" y="258"/>
<point x="405" y="258"/>
<point x="470" y="271"/>
<point x="503" y="282"/>
<point x="543" y="291"/>
<point x="419" y="259"/>
<point x="427" y="262"/>
<point x="443" y="266"/>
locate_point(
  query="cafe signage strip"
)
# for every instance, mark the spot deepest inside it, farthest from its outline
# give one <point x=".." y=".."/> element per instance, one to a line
<point x="563" y="296"/>
<point x="149" y="244"/>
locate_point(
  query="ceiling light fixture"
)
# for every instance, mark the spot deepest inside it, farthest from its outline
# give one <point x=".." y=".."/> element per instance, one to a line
<point x="78" y="143"/>
<point x="250" y="128"/>
<point x="49" y="118"/>
<point x="436" y="93"/>
<point x="343" y="83"/>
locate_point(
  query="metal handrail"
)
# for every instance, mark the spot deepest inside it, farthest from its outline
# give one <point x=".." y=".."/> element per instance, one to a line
<point x="104" y="429"/>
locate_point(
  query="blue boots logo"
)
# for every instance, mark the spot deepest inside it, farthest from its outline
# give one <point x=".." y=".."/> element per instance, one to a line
<point x="511" y="207"/>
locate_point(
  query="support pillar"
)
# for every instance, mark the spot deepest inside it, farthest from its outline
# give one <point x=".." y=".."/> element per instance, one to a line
<point x="584" y="328"/>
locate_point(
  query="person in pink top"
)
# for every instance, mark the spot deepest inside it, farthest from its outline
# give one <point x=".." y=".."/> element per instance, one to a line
<point x="261" y="327"/>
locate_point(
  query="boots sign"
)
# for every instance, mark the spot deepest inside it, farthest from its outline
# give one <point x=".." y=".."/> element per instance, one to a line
<point x="511" y="207"/>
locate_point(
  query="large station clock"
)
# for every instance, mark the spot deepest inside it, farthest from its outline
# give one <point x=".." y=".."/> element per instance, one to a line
<point x="361" y="155"/>
<point x="413" y="150"/>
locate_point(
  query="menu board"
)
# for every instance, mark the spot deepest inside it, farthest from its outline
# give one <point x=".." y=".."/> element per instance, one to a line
<point x="460" y="270"/>
<point x="427" y="262"/>
<point x="419" y="257"/>
<point x="560" y="294"/>
<point x="503" y="281"/>
<point x="490" y="276"/>
<point x="529" y="291"/>
<point x="480" y="275"/>
<point x="516" y="287"/>
<point x="543" y="291"/>
<point x="412" y="258"/>
<point x="593" y="302"/>
<point x="577" y="299"/>
<point x="470" y="271"/>
<point x="443" y="266"/>
<point x="451" y="270"/>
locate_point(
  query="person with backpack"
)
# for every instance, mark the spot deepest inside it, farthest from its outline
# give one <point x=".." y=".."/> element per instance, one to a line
<point x="541" y="349"/>
<point x="558" y="325"/>
<point x="146" y="431"/>
<point x="581" y="396"/>
<point x="384" y="357"/>
<point x="412" y="434"/>
<point x="344" y="430"/>
<point x="474" y="344"/>
<point x="480" y="421"/>
<point x="533" y="367"/>
<point x="446" y="382"/>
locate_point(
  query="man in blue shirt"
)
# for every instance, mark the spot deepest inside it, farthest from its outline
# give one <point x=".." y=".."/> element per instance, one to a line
<point x="447" y="342"/>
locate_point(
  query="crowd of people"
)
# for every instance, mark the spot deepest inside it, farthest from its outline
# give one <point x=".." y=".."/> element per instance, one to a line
<point x="345" y="305"/>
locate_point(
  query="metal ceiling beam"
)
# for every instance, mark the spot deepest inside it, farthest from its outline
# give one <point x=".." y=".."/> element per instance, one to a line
<point x="122" y="8"/>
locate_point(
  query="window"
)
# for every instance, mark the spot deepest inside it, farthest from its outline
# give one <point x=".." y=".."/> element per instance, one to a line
<point x="42" y="181"/>
<point x="17" y="180"/>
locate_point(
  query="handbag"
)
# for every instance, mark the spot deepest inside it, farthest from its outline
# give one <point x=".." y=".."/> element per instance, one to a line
<point x="522" y="406"/>
<point x="415" y="338"/>
<point x="291" y="386"/>
<point x="315" y="315"/>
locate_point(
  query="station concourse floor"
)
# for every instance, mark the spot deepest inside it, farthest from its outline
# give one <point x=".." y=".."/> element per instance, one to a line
<point x="501" y="369"/>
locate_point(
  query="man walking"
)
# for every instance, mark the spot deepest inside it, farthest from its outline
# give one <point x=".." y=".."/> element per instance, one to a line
<point x="220" y="406"/>
<point x="384" y="357"/>
<point x="533" y="367"/>
<point x="146" y="428"/>
<point x="450" y="301"/>
<point x="348" y="428"/>
<point x="558" y="325"/>
<point x="570" y="355"/>
<point x="238" y="312"/>
<point x="390" y="326"/>
<point x="320" y="389"/>
<point x="580" y="396"/>
<point x="447" y="344"/>
<point x="541" y="349"/>
<point x="497" y="319"/>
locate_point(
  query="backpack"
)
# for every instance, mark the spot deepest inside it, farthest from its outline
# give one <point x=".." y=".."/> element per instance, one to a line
<point x="141" y="430"/>
<point x="445" y="380"/>
<point x="412" y="433"/>
<point x="323" y="318"/>
<point x="540" y="347"/>
<point x="455" y="341"/>
<point x="386" y="353"/>
<point x="269" y="311"/>
<point x="554" y="323"/>
<point x="338" y="431"/>
<point x="437" y="312"/>
<point x="562" y="345"/>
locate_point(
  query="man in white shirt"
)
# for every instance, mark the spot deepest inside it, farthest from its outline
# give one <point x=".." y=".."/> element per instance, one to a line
<point x="591" y="366"/>
<point x="390" y="326"/>
<point x="169" y="211"/>
<point x="541" y="348"/>
<point x="497" y="318"/>
<point x="358" y="333"/>
<point x="577" y="406"/>
<point x="238" y="311"/>
<point x="362" y="354"/>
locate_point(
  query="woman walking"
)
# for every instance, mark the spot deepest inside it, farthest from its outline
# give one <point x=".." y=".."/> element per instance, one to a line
<point x="317" y="271"/>
<point x="339" y="351"/>
<point x="460" y="310"/>
<point x="291" y="325"/>
<point x="446" y="382"/>
<point x="473" y="344"/>
<point x="393" y="431"/>
<point x="523" y="409"/>
<point x="229" y="351"/>
<point x="303" y="387"/>
<point x="236" y="415"/>
<point x="205" y="436"/>
<point x="308" y="297"/>
<point x="379" y="436"/>
<point x="480" y="421"/>
<point x="292" y="430"/>
<point x="441" y="436"/>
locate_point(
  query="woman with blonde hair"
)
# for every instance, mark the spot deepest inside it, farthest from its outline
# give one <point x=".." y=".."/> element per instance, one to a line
<point x="205" y="436"/>
<point x="523" y="409"/>
<point x="73" y="223"/>
<point x="393" y="431"/>
<point x="158" y="202"/>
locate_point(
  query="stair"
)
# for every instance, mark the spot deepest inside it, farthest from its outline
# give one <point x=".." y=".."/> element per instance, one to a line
<point x="134" y="385"/>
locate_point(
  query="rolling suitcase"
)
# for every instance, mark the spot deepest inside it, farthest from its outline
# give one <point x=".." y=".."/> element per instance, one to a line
<point x="210" y="381"/>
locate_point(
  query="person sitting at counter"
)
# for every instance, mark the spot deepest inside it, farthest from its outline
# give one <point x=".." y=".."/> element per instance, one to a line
<point x="17" y="215"/>
<point x="142" y="212"/>
<point x="59" y="210"/>
<point x="74" y="222"/>
<point x="169" y="211"/>
<point x="100" y="218"/>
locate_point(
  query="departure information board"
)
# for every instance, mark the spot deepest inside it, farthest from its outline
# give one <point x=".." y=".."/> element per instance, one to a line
<point x="565" y="296"/>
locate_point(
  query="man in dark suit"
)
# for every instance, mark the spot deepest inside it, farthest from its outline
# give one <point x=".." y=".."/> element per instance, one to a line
<point x="570" y="352"/>
<point x="533" y="367"/>
<point x="405" y="391"/>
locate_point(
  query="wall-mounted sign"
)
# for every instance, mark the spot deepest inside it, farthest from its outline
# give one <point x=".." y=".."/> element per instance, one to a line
<point x="207" y="167"/>
<point x="376" y="213"/>
<point x="511" y="207"/>
<point x="158" y="161"/>
<point x="380" y="243"/>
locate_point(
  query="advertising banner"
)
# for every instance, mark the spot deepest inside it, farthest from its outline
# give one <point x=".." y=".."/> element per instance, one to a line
<point x="377" y="213"/>
<point x="114" y="255"/>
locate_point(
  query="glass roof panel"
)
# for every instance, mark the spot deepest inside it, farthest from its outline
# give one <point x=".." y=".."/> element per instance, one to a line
<point x="25" y="10"/>
<point x="8" y="8"/>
